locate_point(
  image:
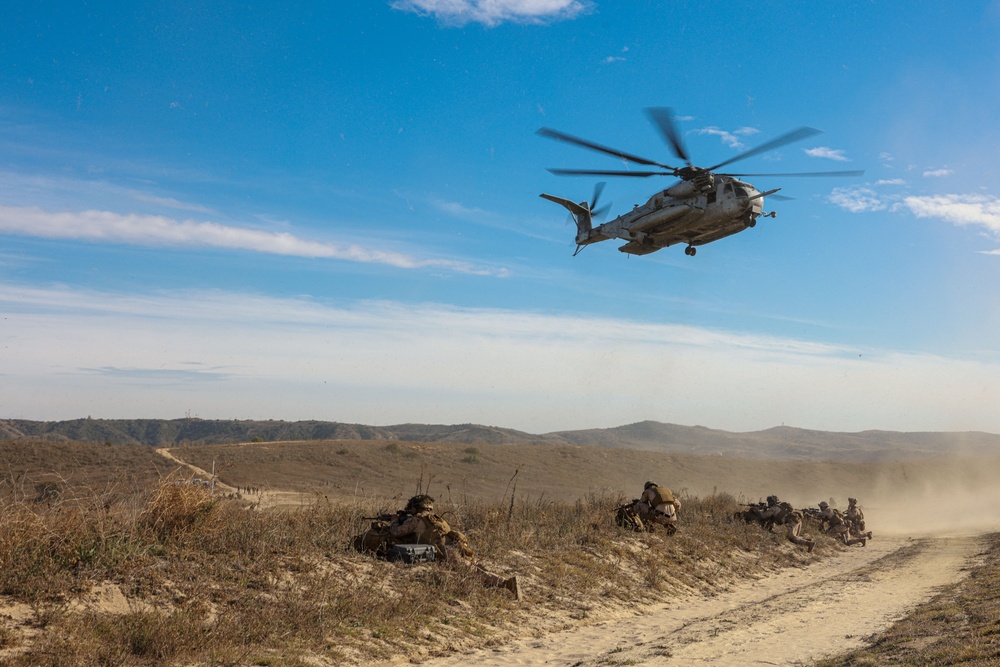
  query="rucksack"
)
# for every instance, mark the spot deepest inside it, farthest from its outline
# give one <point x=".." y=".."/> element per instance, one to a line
<point x="661" y="496"/>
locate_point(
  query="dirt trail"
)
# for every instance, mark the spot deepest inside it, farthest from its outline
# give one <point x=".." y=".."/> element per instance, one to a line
<point x="266" y="497"/>
<point x="791" y="618"/>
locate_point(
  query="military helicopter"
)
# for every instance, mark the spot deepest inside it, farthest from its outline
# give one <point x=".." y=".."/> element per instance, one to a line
<point x="703" y="207"/>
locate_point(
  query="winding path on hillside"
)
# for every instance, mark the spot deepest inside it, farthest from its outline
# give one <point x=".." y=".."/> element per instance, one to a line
<point x="791" y="618"/>
<point x="266" y="498"/>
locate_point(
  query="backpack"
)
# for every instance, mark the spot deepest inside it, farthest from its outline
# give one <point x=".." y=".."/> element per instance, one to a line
<point x="661" y="496"/>
<point x="435" y="530"/>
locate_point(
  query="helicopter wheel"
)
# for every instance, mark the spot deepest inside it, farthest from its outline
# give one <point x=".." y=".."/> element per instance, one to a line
<point x="690" y="251"/>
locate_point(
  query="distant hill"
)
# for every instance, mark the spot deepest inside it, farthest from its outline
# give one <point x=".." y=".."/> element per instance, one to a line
<point x="779" y="443"/>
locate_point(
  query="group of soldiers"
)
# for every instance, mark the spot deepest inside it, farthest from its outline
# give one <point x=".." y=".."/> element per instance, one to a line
<point x="849" y="526"/>
<point x="417" y="524"/>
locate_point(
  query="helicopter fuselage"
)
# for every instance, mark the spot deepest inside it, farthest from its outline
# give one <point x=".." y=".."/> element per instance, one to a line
<point x="690" y="212"/>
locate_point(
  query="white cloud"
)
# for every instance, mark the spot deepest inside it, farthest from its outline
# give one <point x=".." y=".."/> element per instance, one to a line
<point x="857" y="199"/>
<point x="71" y="352"/>
<point x="152" y="230"/>
<point x="495" y="12"/>
<point x="891" y="181"/>
<point x="961" y="210"/>
<point x="937" y="173"/>
<point x="613" y="59"/>
<point x="170" y="202"/>
<point x="731" y="139"/>
<point x="827" y="153"/>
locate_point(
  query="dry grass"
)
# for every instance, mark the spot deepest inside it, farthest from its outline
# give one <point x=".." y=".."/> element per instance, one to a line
<point x="960" y="626"/>
<point x="208" y="581"/>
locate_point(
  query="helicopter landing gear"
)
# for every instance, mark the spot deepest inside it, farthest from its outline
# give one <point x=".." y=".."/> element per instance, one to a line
<point x="690" y="251"/>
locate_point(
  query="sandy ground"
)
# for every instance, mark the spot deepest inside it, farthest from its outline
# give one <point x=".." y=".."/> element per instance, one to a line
<point x="791" y="618"/>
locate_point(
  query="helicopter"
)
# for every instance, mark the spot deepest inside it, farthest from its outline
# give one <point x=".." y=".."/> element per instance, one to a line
<point x="704" y="206"/>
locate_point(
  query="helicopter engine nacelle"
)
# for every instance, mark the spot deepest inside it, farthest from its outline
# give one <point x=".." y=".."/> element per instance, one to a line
<point x="693" y="187"/>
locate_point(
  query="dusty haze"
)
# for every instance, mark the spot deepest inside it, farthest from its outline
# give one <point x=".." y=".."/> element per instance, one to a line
<point x="903" y="497"/>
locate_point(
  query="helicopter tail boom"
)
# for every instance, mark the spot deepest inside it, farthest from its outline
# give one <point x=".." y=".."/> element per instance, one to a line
<point x="581" y="215"/>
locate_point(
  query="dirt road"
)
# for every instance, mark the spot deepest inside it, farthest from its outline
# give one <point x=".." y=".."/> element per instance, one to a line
<point x="262" y="498"/>
<point x="791" y="618"/>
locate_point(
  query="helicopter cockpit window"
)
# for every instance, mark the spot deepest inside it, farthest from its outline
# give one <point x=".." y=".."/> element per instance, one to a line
<point x="728" y="188"/>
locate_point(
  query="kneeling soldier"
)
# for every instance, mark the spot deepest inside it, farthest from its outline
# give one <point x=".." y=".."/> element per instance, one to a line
<point x="837" y="525"/>
<point x="657" y="504"/>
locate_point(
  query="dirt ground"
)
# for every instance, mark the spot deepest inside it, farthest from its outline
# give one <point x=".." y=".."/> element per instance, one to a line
<point x="791" y="618"/>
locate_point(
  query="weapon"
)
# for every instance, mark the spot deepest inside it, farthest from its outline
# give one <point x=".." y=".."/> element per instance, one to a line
<point x="380" y="520"/>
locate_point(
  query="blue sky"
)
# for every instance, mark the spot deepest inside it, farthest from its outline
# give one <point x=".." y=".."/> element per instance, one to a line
<point x="330" y="211"/>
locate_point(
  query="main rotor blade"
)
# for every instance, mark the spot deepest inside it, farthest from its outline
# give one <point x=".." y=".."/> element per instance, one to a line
<point x="598" y="172"/>
<point x="794" y="135"/>
<point x="858" y="172"/>
<point x="561" y="136"/>
<point x="664" y="119"/>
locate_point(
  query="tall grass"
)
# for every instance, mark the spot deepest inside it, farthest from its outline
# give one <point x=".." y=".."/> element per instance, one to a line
<point x="210" y="581"/>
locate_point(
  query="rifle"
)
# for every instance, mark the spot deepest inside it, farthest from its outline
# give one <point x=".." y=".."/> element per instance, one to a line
<point x="761" y="505"/>
<point x="811" y="512"/>
<point x="386" y="517"/>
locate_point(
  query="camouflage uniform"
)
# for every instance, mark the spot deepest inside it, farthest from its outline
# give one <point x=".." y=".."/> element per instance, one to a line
<point x="792" y="518"/>
<point x="856" y="519"/>
<point x="657" y="504"/>
<point x="770" y="516"/>
<point x="419" y="525"/>
<point x="837" y="526"/>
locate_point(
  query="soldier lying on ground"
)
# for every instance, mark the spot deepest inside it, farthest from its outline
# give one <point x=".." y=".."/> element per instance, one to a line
<point x="855" y="519"/>
<point x="837" y="526"/>
<point x="657" y="505"/>
<point x="770" y="515"/>
<point x="792" y="519"/>
<point x="752" y="513"/>
<point x="417" y="524"/>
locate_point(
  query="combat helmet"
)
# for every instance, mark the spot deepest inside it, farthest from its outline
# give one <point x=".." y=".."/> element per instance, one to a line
<point x="823" y="505"/>
<point x="421" y="503"/>
<point x="771" y="500"/>
<point x="852" y="501"/>
<point x="648" y="484"/>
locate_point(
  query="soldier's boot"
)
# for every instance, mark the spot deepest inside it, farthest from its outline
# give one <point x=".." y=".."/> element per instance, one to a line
<point x="512" y="586"/>
<point x="812" y="543"/>
<point x="868" y="535"/>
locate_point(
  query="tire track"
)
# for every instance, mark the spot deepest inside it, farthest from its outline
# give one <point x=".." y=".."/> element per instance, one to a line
<point x="790" y="618"/>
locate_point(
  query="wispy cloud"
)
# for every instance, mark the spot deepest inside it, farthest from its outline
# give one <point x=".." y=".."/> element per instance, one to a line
<point x="961" y="210"/>
<point x="170" y="202"/>
<point x="827" y="153"/>
<point x="731" y="139"/>
<point x="857" y="199"/>
<point x="151" y="230"/>
<point x="480" y="216"/>
<point x="74" y="352"/>
<point x="891" y="181"/>
<point x="495" y="12"/>
<point x="937" y="173"/>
